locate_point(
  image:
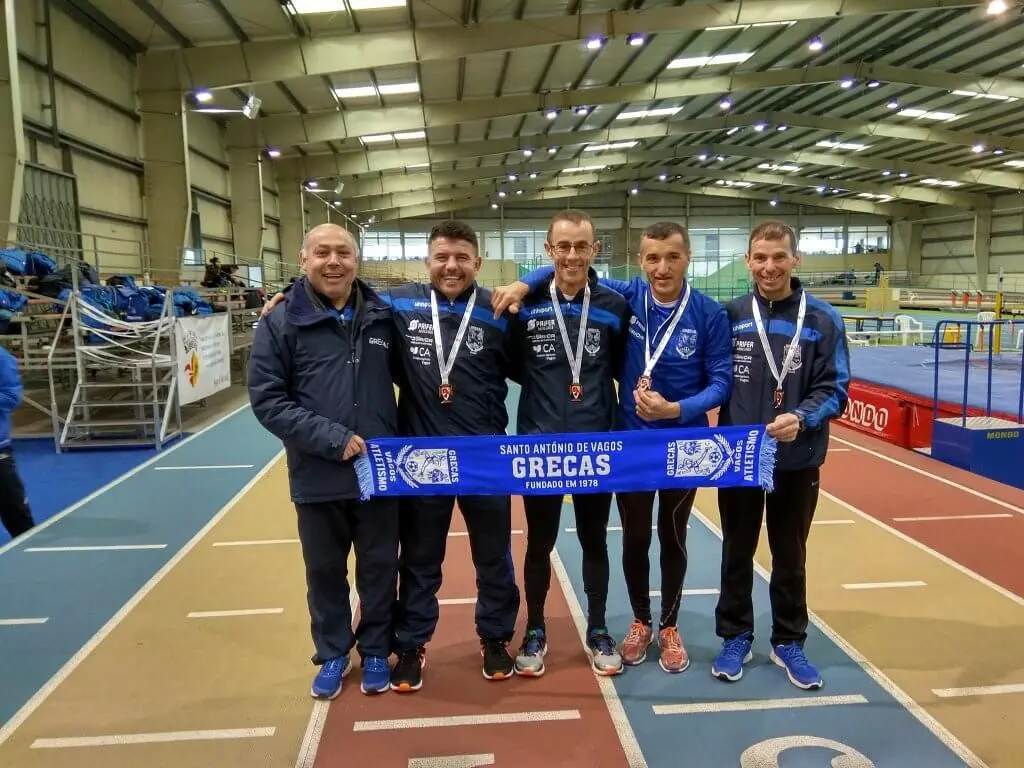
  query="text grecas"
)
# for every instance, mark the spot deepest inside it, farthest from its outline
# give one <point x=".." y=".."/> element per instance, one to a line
<point x="569" y="465"/>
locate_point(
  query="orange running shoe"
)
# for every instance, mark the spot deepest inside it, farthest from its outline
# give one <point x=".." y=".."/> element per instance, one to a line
<point x="673" y="655"/>
<point x="634" y="646"/>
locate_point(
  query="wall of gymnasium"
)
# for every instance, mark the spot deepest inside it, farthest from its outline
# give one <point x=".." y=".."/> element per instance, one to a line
<point x="948" y="248"/>
<point x="93" y="138"/>
<point x="718" y="229"/>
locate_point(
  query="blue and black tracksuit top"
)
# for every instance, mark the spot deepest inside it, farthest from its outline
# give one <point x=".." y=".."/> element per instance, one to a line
<point x="478" y="376"/>
<point x="816" y="388"/>
<point x="695" y="370"/>
<point x="543" y="367"/>
<point x="317" y="376"/>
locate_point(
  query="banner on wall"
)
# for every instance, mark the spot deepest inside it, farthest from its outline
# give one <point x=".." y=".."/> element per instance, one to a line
<point x="203" y="346"/>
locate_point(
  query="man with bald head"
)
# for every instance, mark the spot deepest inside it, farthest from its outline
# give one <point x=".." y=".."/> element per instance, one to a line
<point x="320" y="380"/>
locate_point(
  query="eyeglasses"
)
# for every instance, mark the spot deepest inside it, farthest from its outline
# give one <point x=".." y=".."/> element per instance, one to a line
<point x="564" y="249"/>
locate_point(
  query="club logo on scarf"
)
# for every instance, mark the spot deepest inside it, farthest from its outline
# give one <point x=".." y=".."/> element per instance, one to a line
<point x="592" y="342"/>
<point x="686" y="342"/>
<point x="474" y="339"/>
<point x="797" y="357"/>
<point x="428" y="466"/>
<point x="709" y="457"/>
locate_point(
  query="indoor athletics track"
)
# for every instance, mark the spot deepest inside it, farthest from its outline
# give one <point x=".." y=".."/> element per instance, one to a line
<point x="162" y="622"/>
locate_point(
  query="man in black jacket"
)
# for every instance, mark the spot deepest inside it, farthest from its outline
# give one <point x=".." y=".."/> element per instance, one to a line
<point x="569" y="335"/>
<point x="791" y="370"/>
<point x="320" y="380"/>
<point x="454" y="362"/>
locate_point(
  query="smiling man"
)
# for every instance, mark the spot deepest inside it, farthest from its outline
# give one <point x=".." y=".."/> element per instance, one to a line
<point x="320" y="380"/>
<point x="791" y="372"/>
<point x="678" y="366"/>
<point x="568" y="338"/>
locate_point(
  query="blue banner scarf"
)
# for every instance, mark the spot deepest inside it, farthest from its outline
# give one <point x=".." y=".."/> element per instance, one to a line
<point x="599" y="462"/>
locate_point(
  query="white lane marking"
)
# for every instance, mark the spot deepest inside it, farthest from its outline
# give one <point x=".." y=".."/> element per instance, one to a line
<point x="254" y="542"/>
<point x="980" y="690"/>
<point x="115" y="482"/>
<point x="689" y="592"/>
<point x="457" y="601"/>
<point x="61" y="674"/>
<point x="514" y="532"/>
<point x="624" y="729"/>
<point x="884" y="585"/>
<point x="21" y="622"/>
<point x="452" y="761"/>
<point x="937" y="478"/>
<point x="928" y="550"/>
<point x="943" y="518"/>
<point x="231" y="614"/>
<point x="915" y="709"/>
<point x="504" y="718"/>
<point x="207" y="466"/>
<point x="152" y="738"/>
<point x="755" y="705"/>
<point x="97" y="548"/>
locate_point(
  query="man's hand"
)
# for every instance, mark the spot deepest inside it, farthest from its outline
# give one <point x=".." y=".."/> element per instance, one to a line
<point x="507" y="297"/>
<point x="355" y="446"/>
<point x="651" y="406"/>
<point x="276" y="299"/>
<point x="785" y="428"/>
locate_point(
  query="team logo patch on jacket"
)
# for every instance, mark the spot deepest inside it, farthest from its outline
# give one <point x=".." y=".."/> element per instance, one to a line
<point x="474" y="339"/>
<point x="797" y="357"/>
<point x="686" y="342"/>
<point x="428" y="466"/>
<point x="592" y="342"/>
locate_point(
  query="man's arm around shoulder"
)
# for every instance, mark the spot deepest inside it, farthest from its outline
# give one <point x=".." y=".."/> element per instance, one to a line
<point x="270" y="367"/>
<point x="830" y="371"/>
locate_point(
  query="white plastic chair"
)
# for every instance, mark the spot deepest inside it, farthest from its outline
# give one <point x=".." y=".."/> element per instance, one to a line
<point x="907" y="326"/>
<point x="984" y="330"/>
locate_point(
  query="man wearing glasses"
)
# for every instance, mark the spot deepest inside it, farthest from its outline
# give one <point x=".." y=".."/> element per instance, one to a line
<point x="568" y="336"/>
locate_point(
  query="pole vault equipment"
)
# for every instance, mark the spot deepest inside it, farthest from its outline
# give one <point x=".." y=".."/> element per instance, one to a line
<point x="584" y="462"/>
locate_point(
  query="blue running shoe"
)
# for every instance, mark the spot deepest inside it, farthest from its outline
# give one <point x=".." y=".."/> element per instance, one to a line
<point x="604" y="656"/>
<point x="800" y="671"/>
<point x="327" y="683"/>
<point x="734" y="654"/>
<point x="376" y="675"/>
<point x="530" y="660"/>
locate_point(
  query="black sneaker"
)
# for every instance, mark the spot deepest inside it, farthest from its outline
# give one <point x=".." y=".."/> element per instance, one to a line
<point x="407" y="674"/>
<point x="498" y="662"/>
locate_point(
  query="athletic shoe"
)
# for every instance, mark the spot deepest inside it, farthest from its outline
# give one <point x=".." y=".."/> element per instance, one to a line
<point x="673" y="655"/>
<point x="530" y="660"/>
<point x="407" y="674"/>
<point x="801" y="673"/>
<point x="603" y="657"/>
<point x="498" y="662"/>
<point x="634" y="647"/>
<point x="734" y="654"/>
<point x="376" y="675"/>
<point x="327" y="683"/>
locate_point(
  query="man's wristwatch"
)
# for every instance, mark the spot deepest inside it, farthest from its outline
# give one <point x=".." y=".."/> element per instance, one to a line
<point x="801" y="421"/>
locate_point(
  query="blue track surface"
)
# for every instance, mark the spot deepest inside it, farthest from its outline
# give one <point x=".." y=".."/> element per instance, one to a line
<point x="911" y="369"/>
<point x="78" y="592"/>
<point x="54" y="481"/>
<point x="881" y="729"/>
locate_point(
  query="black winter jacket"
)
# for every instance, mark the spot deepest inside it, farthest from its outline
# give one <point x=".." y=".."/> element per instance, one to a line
<point x="316" y="377"/>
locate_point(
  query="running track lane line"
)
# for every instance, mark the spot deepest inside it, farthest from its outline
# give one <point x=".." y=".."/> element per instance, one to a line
<point x="915" y="709"/>
<point x="116" y="481"/>
<point x="931" y="476"/>
<point x="51" y="685"/>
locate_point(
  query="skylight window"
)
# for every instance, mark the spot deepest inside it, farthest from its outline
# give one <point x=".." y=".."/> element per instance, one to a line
<point x="749" y="26"/>
<point x="379" y="138"/>
<point x="370" y="91"/>
<point x="639" y="113"/>
<point x="842" y="145"/>
<point x="941" y="183"/>
<point x="1015" y="163"/>
<point x="922" y="114"/>
<point x="584" y="168"/>
<point x="992" y="96"/>
<point x="880" y="198"/>
<point x="709" y="61"/>
<point x="310" y="7"/>
<point x="728" y="183"/>
<point x="774" y="167"/>
<point x="613" y="145"/>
